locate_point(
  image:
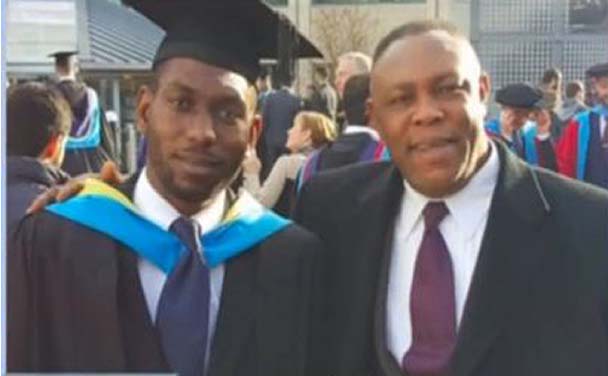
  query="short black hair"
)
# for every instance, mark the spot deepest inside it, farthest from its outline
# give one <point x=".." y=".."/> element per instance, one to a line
<point x="35" y="112"/>
<point x="356" y="93"/>
<point x="413" y="29"/>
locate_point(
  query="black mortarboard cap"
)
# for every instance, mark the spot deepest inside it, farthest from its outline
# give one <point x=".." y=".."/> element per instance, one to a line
<point x="61" y="57"/>
<point x="520" y="95"/>
<point x="232" y="34"/>
<point x="63" y="54"/>
<point x="598" y="70"/>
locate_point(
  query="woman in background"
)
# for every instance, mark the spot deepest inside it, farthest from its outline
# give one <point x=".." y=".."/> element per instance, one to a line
<point x="310" y="131"/>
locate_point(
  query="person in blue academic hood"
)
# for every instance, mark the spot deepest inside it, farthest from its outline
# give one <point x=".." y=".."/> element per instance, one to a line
<point x="582" y="151"/>
<point x="171" y="271"/>
<point x="38" y="122"/>
<point x="91" y="138"/>
<point x="521" y="104"/>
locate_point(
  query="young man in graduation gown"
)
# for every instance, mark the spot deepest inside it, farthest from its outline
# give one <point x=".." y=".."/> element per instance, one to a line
<point x="171" y="271"/>
<point x="38" y="121"/>
<point x="582" y="152"/>
<point x="91" y="141"/>
<point x="456" y="258"/>
<point x="520" y="104"/>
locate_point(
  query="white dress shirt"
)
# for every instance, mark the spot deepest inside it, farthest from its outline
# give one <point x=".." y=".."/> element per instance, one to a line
<point x="354" y="129"/>
<point x="462" y="229"/>
<point x="156" y="209"/>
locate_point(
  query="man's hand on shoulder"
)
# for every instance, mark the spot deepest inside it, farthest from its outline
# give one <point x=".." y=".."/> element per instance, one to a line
<point x="109" y="174"/>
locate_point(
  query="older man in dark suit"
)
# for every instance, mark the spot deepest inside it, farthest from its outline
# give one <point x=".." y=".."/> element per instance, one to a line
<point x="457" y="258"/>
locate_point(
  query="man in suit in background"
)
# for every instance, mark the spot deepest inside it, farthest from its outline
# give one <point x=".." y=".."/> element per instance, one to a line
<point x="349" y="64"/>
<point x="324" y="98"/>
<point x="171" y="271"/>
<point x="280" y="108"/>
<point x="457" y="258"/>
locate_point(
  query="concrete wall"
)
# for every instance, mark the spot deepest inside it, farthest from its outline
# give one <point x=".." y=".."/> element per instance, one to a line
<point x="36" y="28"/>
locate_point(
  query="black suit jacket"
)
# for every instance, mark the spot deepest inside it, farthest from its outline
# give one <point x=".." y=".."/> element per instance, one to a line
<point x="26" y="178"/>
<point x="538" y="300"/>
<point x="280" y="108"/>
<point x="75" y="304"/>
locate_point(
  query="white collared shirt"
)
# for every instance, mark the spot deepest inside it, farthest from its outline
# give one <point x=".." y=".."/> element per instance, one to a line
<point x="462" y="230"/>
<point x="156" y="209"/>
<point x="353" y="129"/>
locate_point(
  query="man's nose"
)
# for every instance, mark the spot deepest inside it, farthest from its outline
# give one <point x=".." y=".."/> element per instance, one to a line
<point x="202" y="130"/>
<point x="426" y="111"/>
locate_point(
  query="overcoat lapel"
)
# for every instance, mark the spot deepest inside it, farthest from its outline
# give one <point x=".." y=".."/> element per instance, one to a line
<point x="511" y="249"/>
<point x="387" y="363"/>
<point x="379" y="207"/>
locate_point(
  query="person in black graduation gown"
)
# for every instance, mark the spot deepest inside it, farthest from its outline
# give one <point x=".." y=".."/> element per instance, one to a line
<point x="38" y="122"/>
<point x="91" y="141"/>
<point x="80" y="301"/>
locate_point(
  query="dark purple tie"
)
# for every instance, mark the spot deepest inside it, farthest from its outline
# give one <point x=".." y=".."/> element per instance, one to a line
<point x="432" y="302"/>
<point x="183" y="308"/>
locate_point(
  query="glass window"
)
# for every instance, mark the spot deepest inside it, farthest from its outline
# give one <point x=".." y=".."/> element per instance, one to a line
<point x="368" y="1"/>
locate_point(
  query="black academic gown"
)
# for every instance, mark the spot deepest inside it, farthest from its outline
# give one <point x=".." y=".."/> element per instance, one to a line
<point x="538" y="301"/>
<point x="75" y="304"/>
<point x="346" y="150"/>
<point x="79" y="161"/>
<point x="26" y="178"/>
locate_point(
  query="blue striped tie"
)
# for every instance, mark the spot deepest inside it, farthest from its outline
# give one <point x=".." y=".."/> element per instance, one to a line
<point x="183" y="309"/>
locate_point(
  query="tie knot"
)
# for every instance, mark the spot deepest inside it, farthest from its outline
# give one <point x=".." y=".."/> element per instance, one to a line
<point x="188" y="231"/>
<point x="434" y="212"/>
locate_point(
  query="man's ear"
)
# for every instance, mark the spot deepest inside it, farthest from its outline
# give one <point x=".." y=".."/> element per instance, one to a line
<point x="485" y="88"/>
<point x="53" y="149"/>
<point x="255" y="130"/>
<point x="145" y="96"/>
<point x="372" y="113"/>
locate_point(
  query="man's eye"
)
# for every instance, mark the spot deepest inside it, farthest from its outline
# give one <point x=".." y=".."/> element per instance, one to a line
<point x="181" y="104"/>
<point x="401" y="99"/>
<point x="448" y="89"/>
<point x="229" y="116"/>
